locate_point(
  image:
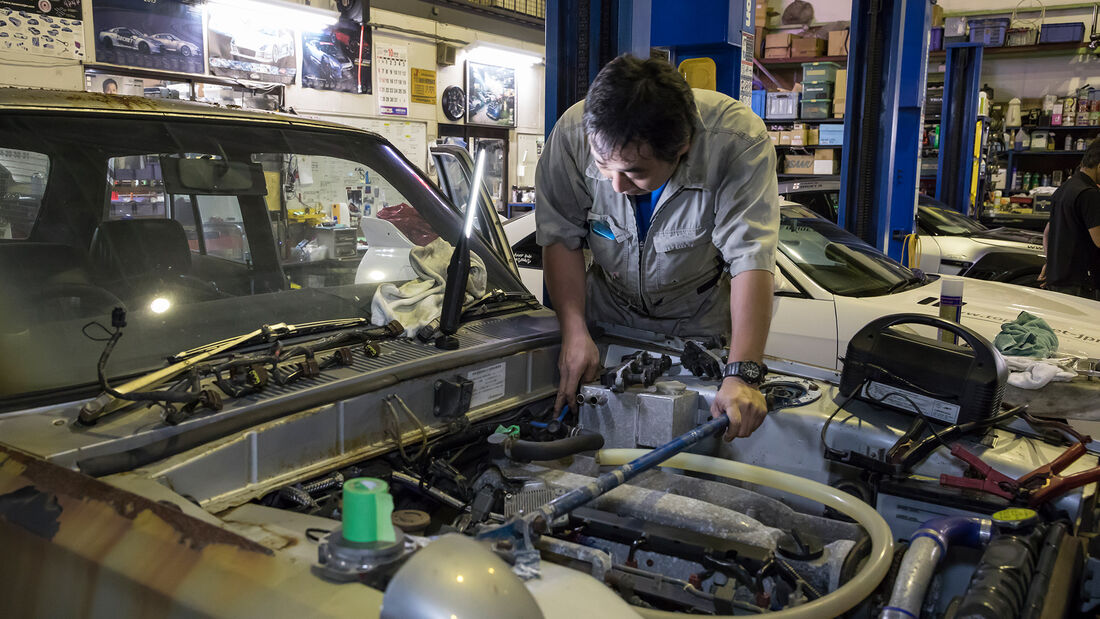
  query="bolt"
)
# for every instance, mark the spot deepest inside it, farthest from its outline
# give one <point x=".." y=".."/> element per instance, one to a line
<point x="539" y="525"/>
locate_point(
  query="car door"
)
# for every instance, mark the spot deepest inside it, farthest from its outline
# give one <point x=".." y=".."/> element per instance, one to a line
<point x="455" y="169"/>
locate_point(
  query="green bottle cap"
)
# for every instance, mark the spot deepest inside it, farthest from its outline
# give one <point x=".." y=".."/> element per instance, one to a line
<point x="367" y="509"/>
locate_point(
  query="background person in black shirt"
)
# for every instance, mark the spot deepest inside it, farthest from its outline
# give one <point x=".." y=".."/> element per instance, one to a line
<point x="1072" y="237"/>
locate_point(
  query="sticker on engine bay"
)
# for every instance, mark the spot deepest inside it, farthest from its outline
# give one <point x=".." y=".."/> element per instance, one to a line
<point x="488" y="384"/>
<point x="907" y="400"/>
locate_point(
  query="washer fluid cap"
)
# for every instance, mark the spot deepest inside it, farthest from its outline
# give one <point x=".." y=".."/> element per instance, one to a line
<point x="368" y="508"/>
<point x="1014" y="518"/>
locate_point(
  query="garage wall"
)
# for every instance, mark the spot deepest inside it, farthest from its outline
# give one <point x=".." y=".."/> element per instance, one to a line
<point x="43" y="72"/>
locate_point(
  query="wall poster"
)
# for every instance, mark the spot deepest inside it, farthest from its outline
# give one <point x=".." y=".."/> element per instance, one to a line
<point x="423" y="86"/>
<point x="42" y="28"/>
<point x="247" y="45"/>
<point x="338" y="58"/>
<point x="392" y="65"/>
<point x="152" y="34"/>
<point x="491" y="93"/>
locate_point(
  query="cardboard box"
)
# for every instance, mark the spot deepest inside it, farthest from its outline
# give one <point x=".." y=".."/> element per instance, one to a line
<point x="798" y="135"/>
<point x="798" y="164"/>
<point x="807" y="48"/>
<point x="774" y="135"/>
<point x="937" y="16"/>
<point x="784" y="138"/>
<point x="777" y="52"/>
<point x="778" y="40"/>
<point x="824" y="167"/>
<point x="840" y="88"/>
<point x="838" y="43"/>
<point x="825" y="154"/>
<point x="813" y="135"/>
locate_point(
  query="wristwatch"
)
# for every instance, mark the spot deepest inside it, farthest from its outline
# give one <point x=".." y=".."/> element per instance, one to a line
<point x="749" y="371"/>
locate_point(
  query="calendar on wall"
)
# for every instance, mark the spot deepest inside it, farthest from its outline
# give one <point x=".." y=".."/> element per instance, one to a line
<point x="391" y="64"/>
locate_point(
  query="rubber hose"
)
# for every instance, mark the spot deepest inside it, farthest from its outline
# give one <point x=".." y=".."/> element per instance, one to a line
<point x="830" y="605"/>
<point x="527" y="451"/>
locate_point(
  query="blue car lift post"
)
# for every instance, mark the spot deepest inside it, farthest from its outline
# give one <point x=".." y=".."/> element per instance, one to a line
<point x="958" y="125"/>
<point x="887" y="73"/>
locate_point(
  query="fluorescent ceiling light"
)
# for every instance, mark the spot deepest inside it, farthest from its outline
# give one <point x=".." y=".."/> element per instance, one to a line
<point x="490" y="53"/>
<point x="297" y="17"/>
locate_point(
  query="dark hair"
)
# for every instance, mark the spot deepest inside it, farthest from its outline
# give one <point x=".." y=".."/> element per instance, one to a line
<point x="639" y="100"/>
<point x="1092" y="155"/>
<point x="108" y="82"/>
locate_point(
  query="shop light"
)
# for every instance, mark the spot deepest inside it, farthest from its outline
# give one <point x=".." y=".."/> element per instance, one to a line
<point x="298" y="17"/>
<point x="490" y="53"/>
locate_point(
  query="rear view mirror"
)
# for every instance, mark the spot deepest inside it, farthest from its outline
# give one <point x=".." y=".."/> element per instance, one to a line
<point x="212" y="176"/>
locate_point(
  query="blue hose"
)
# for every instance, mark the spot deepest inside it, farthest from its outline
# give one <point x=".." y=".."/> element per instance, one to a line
<point x="543" y="424"/>
<point x="954" y="531"/>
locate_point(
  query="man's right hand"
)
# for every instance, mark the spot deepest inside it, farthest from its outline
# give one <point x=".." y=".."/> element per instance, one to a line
<point x="578" y="363"/>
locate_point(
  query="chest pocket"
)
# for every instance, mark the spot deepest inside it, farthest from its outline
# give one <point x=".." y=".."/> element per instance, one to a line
<point x="684" y="256"/>
<point x="611" y="244"/>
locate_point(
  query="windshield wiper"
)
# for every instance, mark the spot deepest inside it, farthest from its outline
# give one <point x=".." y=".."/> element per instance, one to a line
<point x="906" y="283"/>
<point x="458" y="272"/>
<point x="135" y="390"/>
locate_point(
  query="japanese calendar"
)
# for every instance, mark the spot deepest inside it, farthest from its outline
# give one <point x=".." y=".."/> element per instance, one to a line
<point x="391" y="66"/>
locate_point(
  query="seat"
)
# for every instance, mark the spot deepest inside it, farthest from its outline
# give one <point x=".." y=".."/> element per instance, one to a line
<point x="142" y="258"/>
<point x="43" y="282"/>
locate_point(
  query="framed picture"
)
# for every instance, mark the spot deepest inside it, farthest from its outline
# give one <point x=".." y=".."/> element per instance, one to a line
<point x="491" y="95"/>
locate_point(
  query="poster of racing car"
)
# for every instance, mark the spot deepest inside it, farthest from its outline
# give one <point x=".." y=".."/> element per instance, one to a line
<point x="165" y="35"/>
<point x="491" y="95"/>
<point x="42" y="28"/>
<point x="338" y="58"/>
<point x="250" y="46"/>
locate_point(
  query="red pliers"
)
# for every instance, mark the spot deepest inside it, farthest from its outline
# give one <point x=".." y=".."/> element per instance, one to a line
<point x="1035" y="488"/>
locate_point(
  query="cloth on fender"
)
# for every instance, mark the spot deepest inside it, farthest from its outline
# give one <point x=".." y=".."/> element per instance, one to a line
<point x="1027" y="336"/>
<point x="420" y="301"/>
<point x="1028" y="373"/>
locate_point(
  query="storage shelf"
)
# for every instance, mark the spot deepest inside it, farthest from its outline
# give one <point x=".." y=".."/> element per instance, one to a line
<point x="788" y="146"/>
<point x="1023" y="50"/>
<point x="793" y="63"/>
<point x="1064" y="127"/>
<point x="1033" y="153"/>
<point x="825" y="121"/>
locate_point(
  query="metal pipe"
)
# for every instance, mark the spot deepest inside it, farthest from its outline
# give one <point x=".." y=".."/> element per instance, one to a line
<point x="615" y="478"/>
<point x="598" y="559"/>
<point x="926" y="547"/>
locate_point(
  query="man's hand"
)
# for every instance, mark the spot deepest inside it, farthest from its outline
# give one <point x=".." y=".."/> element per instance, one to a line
<point x="578" y="363"/>
<point x="743" y="404"/>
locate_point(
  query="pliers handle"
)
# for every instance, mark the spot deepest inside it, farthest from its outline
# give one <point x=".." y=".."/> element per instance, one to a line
<point x="989" y="479"/>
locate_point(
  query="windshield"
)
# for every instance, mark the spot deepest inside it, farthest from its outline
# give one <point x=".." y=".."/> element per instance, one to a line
<point x="202" y="230"/>
<point x="944" y="222"/>
<point x="837" y="260"/>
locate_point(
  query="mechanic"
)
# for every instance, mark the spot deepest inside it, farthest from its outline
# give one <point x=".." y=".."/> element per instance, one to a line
<point x="670" y="189"/>
<point x="1071" y="240"/>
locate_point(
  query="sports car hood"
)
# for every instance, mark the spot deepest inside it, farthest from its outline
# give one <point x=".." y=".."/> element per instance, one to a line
<point x="1014" y="235"/>
<point x="987" y="305"/>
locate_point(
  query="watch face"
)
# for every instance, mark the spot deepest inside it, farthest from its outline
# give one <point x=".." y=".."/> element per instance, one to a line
<point x="454" y="102"/>
<point x="750" y="371"/>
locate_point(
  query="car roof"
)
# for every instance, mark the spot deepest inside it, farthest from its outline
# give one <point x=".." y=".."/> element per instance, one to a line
<point x="73" y="102"/>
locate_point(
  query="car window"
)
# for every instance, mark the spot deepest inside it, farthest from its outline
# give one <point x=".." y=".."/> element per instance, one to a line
<point x="23" y="176"/>
<point x="837" y="260"/>
<point x="944" y="222"/>
<point x="201" y="229"/>
<point x="824" y="203"/>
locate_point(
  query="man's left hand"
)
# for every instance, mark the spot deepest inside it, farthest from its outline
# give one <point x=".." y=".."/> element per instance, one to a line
<point x="743" y="404"/>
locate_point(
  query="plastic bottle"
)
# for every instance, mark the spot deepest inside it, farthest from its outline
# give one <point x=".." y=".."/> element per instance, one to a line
<point x="951" y="303"/>
<point x="1069" y="143"/>
<point x="1021" y="139"/>
<point x="1012" y="116"/>
<point x="1080" y="143"/>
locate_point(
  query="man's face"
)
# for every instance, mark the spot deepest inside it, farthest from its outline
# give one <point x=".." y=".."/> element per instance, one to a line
<point x="634" y="170"/>
<point x="110" y="88"/>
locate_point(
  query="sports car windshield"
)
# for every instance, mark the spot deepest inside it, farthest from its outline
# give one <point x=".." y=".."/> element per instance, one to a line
<point x="944" y="222"/>
<point x="837" y="260"/>
<point x="202" y="229"/>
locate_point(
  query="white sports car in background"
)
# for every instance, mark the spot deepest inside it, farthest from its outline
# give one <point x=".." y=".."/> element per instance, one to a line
<point x="949" y="242"/>
<point x="129" y="38"/>
<point x="172" y="43"/>
<point x="829" y="284"/>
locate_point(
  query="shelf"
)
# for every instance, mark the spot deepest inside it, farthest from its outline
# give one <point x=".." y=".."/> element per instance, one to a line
<point x="792" y="63"/>
<point x="1032" y="153"/>
<point x="1023" y="50"/>
<point x="787" y="177"/>
<point x="826" y="121"/>
<point x="788" y="146"/>
<point x="1065" y="127"/>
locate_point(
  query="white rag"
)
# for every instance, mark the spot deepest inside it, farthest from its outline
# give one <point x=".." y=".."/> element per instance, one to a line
<point x="1028" y="373"/>
<point x="420" y="301"/>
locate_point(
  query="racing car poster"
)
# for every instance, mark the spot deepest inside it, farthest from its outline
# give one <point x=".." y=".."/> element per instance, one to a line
<point x="162" y="34"/>
<point x="251" y="46"/>
<point x="42" y="28"/>
<point x="491" y="95"/>
<point x="338" y="58"/>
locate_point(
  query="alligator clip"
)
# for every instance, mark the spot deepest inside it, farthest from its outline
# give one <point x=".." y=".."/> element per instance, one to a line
<point x="1045" y="483"/>
<point x="989" y="480"/>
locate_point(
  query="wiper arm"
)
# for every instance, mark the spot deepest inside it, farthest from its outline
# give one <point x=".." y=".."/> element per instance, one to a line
<point x="905" y="284"/>
<point x="113" y="399"/>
